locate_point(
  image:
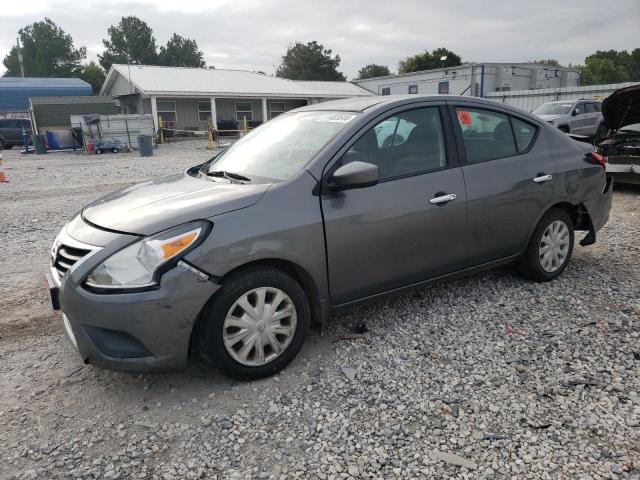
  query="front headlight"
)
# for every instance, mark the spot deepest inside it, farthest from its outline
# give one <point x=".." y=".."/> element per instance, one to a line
<point x="138" y="265"/>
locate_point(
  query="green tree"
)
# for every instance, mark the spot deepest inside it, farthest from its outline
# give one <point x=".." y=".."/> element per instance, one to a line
<point x="552" y="62"/>
<point x="130" y="41"/>
<point x="93" y="74"/>
<point x="429" y="61"/>
<point x="611" y="66"/>
<point x="372" y="70"/>
<point x="309" y="61"/>
<point x="181" y="52"/>
<point x="47" y="51"/>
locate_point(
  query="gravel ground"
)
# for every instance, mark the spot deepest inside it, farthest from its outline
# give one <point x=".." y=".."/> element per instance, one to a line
<point x="486" y="377"/>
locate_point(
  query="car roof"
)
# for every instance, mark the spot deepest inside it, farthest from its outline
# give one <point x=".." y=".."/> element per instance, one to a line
<point x="362" y="104"/>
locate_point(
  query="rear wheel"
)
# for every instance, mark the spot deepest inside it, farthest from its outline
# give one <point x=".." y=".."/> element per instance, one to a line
<point x="256" y="324"/>
<point x="550" y="248"/>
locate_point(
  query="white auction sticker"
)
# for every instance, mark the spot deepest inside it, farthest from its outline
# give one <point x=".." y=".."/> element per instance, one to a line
<point x="337" y="117"/>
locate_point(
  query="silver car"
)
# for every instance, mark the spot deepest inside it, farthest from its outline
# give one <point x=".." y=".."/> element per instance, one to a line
<point x="321" y="208"/>
<point x="580" y="117"/>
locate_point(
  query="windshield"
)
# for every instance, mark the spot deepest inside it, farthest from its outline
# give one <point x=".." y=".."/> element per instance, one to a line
<point x="283" y="146"/>
<point x="553" y="109"/>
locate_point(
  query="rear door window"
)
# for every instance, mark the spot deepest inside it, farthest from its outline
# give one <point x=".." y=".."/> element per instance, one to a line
<point x="486" y="134"/>
<point x="524" y="133"/>
<point x="591" y="108"/>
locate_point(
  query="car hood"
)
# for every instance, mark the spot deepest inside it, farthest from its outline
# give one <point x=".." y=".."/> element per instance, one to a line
<point x="149" y="207"/>
<point x="622" y="107"/>
<point x="547" y="117"/>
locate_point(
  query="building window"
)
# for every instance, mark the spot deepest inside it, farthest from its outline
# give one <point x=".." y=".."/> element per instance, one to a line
<point x="204" y="111"/>
<point x="413" y="88"/>
<point x="275" y="109"/>
<point x="443" y="87"/>
<point x="167" y="110"/>
<point x="386" y="91"/>
<point x="244" y="110"/>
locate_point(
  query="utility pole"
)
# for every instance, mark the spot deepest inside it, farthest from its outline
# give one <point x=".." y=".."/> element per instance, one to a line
<point x="20" y="57"/>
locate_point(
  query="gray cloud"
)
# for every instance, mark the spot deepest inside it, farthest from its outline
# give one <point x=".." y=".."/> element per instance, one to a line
<point x="251" y="34"/>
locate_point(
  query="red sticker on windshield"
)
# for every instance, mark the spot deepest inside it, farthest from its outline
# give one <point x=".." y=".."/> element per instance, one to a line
<point x="464" y="117"/>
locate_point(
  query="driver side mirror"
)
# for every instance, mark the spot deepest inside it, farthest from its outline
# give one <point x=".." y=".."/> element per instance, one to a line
<point x="574" y="112"/>
<point x="355" y="175"/>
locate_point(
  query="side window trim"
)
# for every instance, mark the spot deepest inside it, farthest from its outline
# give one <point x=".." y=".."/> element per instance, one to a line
<point x="451" y="152"/>
<point x="459" y="141"/>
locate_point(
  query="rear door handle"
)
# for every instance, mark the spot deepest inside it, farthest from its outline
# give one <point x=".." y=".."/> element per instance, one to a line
<point x="442" y="199"/>
<point x="542" y="178"/>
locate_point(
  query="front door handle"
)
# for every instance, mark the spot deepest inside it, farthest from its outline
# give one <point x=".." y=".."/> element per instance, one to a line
<point x="442" y="199"/>
<point x="542" y="178"/>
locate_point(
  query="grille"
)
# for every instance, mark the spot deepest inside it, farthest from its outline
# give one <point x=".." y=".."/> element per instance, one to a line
<point x="66" y="257"/>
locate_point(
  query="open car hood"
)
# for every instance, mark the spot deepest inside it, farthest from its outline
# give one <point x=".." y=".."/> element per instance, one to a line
<point x="622" y="107"/>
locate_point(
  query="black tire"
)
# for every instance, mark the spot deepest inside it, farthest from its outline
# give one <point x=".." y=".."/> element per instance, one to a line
<point x="529" y="265"/>
<point x="114" y="150"/>
<point x="210" y="333"/>
<point x="99" y="151"/>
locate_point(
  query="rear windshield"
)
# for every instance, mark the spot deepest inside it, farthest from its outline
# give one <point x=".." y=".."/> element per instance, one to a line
<point x="553" y="109"/>
<point x="283" y="146"/>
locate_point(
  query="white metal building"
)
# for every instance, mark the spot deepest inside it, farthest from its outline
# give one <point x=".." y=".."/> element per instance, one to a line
<point x="187" y="97"/>
<point x="473" y="79"/>
<point x="531" y="99"/>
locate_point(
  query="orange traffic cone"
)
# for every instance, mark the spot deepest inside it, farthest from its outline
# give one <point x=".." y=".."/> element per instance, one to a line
<point x="3" y="177"/>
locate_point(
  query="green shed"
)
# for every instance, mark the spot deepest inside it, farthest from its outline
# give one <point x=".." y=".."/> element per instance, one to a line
<point x="52" y="113"/>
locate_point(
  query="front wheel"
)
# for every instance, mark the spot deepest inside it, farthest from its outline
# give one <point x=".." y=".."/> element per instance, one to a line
<point x="550" y="248"/>
<point x="256" y="324"/>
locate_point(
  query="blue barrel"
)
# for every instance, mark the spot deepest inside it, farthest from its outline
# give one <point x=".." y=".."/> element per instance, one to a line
<point x="145" y="145"/>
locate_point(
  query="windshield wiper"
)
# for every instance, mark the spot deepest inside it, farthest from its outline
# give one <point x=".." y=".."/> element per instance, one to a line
<point x="228" y="175"/>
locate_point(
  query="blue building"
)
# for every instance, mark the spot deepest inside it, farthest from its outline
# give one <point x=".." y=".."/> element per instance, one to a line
<point x="15" y="91"/>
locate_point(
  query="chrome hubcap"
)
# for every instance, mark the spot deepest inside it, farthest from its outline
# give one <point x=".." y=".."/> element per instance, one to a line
<point x="554" y="246"/>
<point x="259" y="326"/>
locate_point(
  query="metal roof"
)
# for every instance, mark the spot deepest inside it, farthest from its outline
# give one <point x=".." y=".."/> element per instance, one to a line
<point x="15" y="91"/>
<point x="72" y="100"/>
<point x="178" y="81"/>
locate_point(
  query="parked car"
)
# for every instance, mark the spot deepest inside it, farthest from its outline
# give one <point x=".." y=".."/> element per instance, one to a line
<point x="11" y="131"/>
<point x="581" y="117"/>
<point x="621" y="147"/>
<point x="313" y="212"/>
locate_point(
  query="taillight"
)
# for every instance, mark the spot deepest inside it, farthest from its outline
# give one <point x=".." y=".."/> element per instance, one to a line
<point x="601" y="159"/>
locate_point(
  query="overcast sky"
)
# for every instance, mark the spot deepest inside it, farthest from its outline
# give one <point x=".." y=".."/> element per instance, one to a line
<point x="254" y="34"/>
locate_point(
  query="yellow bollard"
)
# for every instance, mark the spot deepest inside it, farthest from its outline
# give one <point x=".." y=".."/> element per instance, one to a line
<point x="245" y="125"/>
<point x="161" y="131"/>
<point x="210" y="145"/>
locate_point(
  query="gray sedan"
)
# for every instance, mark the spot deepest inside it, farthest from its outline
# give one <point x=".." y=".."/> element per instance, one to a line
<point x="322" y="208"/>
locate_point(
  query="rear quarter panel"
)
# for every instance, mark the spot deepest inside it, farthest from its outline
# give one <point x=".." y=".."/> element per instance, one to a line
<point x="579" y="181"/>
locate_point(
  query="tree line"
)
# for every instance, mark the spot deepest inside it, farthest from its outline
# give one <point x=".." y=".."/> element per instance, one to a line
<point x="48" y="51"/>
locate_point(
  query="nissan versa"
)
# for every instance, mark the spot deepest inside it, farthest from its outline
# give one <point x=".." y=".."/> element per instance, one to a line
<point x="321" y="208"/>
